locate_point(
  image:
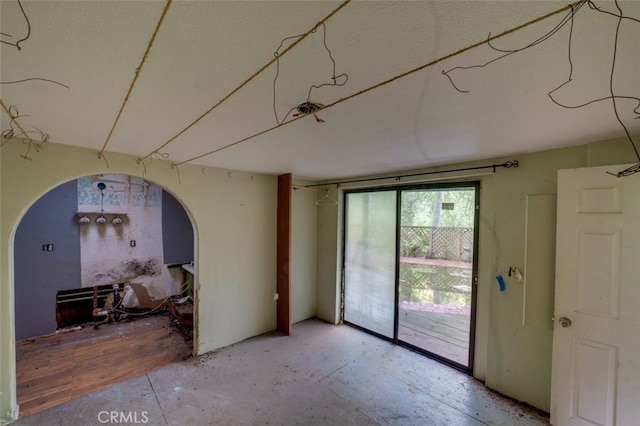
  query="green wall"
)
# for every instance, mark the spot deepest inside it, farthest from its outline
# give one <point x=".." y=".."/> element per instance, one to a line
<point x="513" y="333"/>
<point x="234" y="217"/>
<point x="303" y="254"/>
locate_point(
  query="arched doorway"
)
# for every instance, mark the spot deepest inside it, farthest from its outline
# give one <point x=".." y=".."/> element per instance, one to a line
<point x="94" y="255"/>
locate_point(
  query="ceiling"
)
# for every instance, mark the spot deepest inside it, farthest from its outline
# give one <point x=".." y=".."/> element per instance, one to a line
<point x="204" y="51"/>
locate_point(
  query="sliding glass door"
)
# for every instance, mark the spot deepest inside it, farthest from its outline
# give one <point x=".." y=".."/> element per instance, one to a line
<point x="410" y="267"/>
<point x="436" y="271"/>
<point x="370" y="261"/>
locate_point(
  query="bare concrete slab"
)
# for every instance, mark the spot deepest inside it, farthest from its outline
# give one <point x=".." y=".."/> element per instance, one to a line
<point x="321" y="375"/>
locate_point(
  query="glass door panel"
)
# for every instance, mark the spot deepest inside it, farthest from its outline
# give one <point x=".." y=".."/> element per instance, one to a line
<point x="370" y="261"/>
<point x="436" y="271"/>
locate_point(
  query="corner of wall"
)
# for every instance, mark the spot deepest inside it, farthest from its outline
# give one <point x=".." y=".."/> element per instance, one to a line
<point x="328" y="280"/>
<point x="303" y="255"/>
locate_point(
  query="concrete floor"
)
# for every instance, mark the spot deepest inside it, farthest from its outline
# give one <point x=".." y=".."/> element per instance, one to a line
<point x="321" y="375"/>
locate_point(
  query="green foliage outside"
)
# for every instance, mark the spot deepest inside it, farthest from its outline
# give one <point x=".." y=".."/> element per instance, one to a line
<point x="371" y="234"/>
<point x="424" y="208"/>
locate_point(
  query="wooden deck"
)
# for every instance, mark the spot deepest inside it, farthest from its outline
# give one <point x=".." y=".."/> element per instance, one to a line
<point x="57" y="368"/>
<point x="442" y="333"/>
<point x="438" y="328"/>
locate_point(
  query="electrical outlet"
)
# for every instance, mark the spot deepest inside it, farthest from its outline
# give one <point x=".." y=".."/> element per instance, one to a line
<point x="132" y="243"/>
<point x="47" y="247"/>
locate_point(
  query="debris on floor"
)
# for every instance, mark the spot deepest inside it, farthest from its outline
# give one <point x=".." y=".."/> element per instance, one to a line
<point x="182" y="311"/>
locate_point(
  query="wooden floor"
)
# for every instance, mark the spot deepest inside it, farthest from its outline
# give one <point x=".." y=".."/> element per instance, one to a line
<point x="57" y="368"/>
<point x="444" y="334"/>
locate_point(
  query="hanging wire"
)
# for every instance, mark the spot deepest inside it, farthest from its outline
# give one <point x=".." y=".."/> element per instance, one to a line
<point x="17" y="43"/>
<point x="596" y="8"/>
<point x="308" y="107"/>
<point x="254" y="75"/>
<point x="44" y="137"/>
<point x="10" y="133"/>
<point x="569" y="19"/>
<point x="388" y="81"/>
<point x="613" y="96"/>
<point x="633" y="169"/>
<point x="14" y="114"/>
<point x="627" y="172"/>
<point x="566" y="19"/>
<point x="136" y="75"/>
<point x="177" y="167"/>
<point x="35" y="79"/>
<point x="146" y="162"/>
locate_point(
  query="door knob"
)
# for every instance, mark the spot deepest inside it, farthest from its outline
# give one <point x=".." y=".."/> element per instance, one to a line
<point x="564" y="322"/>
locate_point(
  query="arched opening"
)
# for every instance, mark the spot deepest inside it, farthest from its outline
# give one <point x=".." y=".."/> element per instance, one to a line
<point x="103" y="273"/>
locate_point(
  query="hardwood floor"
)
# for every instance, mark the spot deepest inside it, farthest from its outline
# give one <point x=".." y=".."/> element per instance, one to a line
<point x="57" y="368"/>
<point x="444" y="334"/>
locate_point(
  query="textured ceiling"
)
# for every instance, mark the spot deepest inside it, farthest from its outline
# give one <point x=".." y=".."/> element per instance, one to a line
<point x="204" y="50"/>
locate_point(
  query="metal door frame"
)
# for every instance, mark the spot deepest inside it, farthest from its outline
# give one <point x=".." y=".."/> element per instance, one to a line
<point x="475" y="185"/>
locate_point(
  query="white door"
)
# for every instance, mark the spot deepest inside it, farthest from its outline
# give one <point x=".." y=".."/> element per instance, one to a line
<point x="596" y="334"/>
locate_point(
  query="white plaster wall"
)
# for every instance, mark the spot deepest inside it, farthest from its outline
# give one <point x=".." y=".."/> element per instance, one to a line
<point x="512" y="358"/>
<point x="234" y="216"/>
<point x="106" y="252"/>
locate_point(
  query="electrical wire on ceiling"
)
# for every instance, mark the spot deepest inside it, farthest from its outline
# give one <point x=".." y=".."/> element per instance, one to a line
<point x="17" y="43"/>
<point x="12" y="111"/>
<point x="10" y="133"/>
<point x="135" y="79"/>
<point x="147" y="161"/>
<point x="388" y="81"/>
<point x="627" y="172"/>
<point x="569" y="19"/>
<point x="308" y="107"/>
<point x="254" y="75"/>
<point x="543" y="38"/>
<point x="634" y="169"/>
<point x="24" y="80"/>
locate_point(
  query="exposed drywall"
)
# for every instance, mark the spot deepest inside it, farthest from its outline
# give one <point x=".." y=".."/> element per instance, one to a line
<point x="303" y="254"/>
<point x="234" y="214"/>
<point x="52" y="219"/>
<point x="40" y="274"/>
<point x="177" y="231"/>
<point x="130" y="251"/>
<point x="512" y="356"/>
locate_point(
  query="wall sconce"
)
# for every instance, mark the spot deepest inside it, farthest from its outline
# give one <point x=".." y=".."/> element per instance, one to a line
<point x="116" y="220"/>
<point x="101" y="220"/>
<point x="84" y="220"/>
